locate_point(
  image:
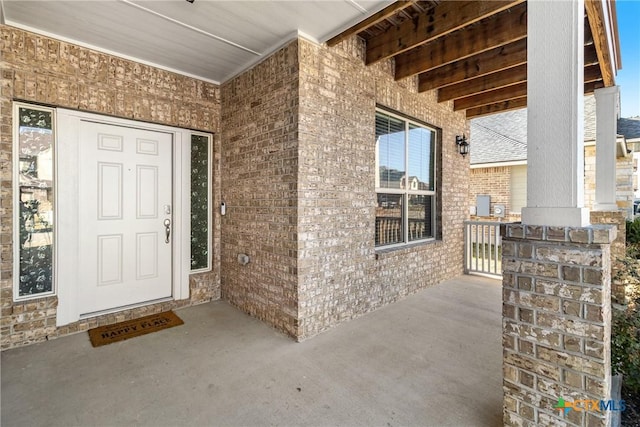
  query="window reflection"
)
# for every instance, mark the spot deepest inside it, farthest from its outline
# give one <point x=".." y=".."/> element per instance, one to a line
<point x="389" y="223"/>
<point x="200" y="191"/>
<point x="405" y="180"/>
<point x="35" y="199"/>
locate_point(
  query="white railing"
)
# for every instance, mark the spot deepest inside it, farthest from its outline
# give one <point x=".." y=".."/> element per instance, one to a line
<point x="389" y="230"/>
<point x="482" y="248"/>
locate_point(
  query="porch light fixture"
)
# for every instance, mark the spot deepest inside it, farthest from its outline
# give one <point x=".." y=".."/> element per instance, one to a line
<point x="463" y="145"/>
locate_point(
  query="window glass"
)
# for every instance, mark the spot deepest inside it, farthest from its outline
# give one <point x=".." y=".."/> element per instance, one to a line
<point x="35" y="212"/>
<point x="405" y="180"/>
<point x="200" y="201"/>
<point x="420" y="217"/>
<point x="421" y="158"/>
<point x="389" y="219"/>
<point x="390" y="135"/>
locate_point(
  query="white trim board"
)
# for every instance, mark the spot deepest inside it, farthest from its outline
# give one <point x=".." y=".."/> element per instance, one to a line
<point x="498" y="164"/>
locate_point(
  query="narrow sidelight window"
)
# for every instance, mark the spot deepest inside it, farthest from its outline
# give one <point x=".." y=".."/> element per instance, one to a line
<point x="34" y="143"/>
<point x="200" y="202"/>
<point x="405" y="180"/>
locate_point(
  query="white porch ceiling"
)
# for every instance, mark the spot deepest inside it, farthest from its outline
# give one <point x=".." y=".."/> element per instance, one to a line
<point x="208" y="39"/>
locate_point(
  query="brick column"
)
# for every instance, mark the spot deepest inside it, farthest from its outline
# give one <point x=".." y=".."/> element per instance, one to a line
<point x="556" y="322"/>
<point x="618" y="246"/>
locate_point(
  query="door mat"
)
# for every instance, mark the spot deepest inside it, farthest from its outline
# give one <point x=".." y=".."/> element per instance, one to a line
<point x="104" y="335"/>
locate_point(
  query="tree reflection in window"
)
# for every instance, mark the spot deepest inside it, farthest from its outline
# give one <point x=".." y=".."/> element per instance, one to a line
<point x="35" y="200"/>
<point x="200" y="192"/>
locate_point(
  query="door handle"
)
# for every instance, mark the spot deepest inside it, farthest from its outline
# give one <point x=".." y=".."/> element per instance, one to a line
<point x="167" y="229"/>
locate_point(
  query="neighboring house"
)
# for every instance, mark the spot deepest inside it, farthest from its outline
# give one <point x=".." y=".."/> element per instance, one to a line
<point x="499" y="161"/>
<point x="630" y="128"/>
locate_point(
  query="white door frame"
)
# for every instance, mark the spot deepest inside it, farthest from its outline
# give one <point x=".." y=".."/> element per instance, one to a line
<point x="67" y="207"/>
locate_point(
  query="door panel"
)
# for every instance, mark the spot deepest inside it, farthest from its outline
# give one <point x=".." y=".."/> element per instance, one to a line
<point x="125" y="190"/>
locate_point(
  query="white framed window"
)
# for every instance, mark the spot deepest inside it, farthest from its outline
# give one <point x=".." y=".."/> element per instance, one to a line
<point x="34" y="199"/>
<point x="200" y="201"/>
<point x="405" y="180"/>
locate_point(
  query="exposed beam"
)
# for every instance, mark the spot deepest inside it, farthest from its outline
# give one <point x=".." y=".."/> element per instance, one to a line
<point x="491" y="97"/>
<point x="597" y="23"/>
<point x="485" y="63"/>
<point x="484" y="83"/>
<point x="515" y="103"/>
<point x="511" y="104"/>
<point x="385" y="13"/>
<point x="591" y="86"/>
<point x="477" y="65"/>
<point x="590" y="55"/>
<point x="592" y="73"/>
<point x="506" y="27"/>
<point x="436" y="22"/>
<point x="500" y="79"/>
<point x="588" y="37"/>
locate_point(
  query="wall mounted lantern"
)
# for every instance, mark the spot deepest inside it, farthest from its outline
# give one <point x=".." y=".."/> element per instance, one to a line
<point x="463" y="145"/>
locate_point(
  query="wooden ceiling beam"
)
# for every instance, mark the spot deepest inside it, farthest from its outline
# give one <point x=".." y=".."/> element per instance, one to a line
<point x="592" y="73"/>
<point x="590" y="55"/>
<point x="385" y="13"/>
<point x="515" y="91"/>
<point x="499" y="107"/>
<point x="477" y="65"/>
<point x="520" y="102"/>
<point x="438" y="21"/>
<point x="504" y="28"/>
<point x="492" y="61"/>
<point x="588" y="37"/>
<point x="597" y="23"/>
<point x="592" y="86"/>
<point x="484" y="83"/>
<point x="503" y="78"/>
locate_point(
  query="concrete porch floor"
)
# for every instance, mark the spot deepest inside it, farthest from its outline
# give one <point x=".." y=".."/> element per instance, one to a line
<point x="432" y="359"/>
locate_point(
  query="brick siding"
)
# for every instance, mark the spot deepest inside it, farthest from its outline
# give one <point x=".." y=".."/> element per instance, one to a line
<point x="294" y="160"/>
<point x="340" y="274"/>
<point x="43" y="70"/>
<point x="495" y="182"/>
<point x="299" y="177"/>
<point x="556" y="323"/>
<point x="259" y="186"/>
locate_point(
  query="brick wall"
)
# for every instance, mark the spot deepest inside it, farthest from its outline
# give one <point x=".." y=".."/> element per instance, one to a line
<point x="618" y="247"/>
<point x="496" y="182"/>
<point x="298" y="171"/>
<point x="293" y="160"/>
<point x="259" y="186"/>
<point x="556" y="323"/>
<point x="624" y="185"/>
<point x="43" y="70"/>
<point x="340" y="274"/>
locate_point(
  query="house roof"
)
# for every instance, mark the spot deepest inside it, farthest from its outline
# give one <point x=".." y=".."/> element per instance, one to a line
<point x="629" y="127"/>
<point x="502" y="137"/>
<point x="499" y="138"/>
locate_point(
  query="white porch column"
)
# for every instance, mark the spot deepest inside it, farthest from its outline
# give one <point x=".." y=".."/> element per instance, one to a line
<point x="555" y="128"/>
<point x="606" y="130"/>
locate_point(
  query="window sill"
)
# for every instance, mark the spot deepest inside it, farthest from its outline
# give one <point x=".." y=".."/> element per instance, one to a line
<point x="382" y="252"/>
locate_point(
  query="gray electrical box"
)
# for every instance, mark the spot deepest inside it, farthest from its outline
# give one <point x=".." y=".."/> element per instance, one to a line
<point x="483" y="203"/>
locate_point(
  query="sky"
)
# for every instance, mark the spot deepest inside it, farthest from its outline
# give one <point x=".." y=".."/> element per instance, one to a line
<point x="628" y="77"/>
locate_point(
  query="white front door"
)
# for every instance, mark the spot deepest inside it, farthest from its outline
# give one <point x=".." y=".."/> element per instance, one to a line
<point x="125" y="216"/>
